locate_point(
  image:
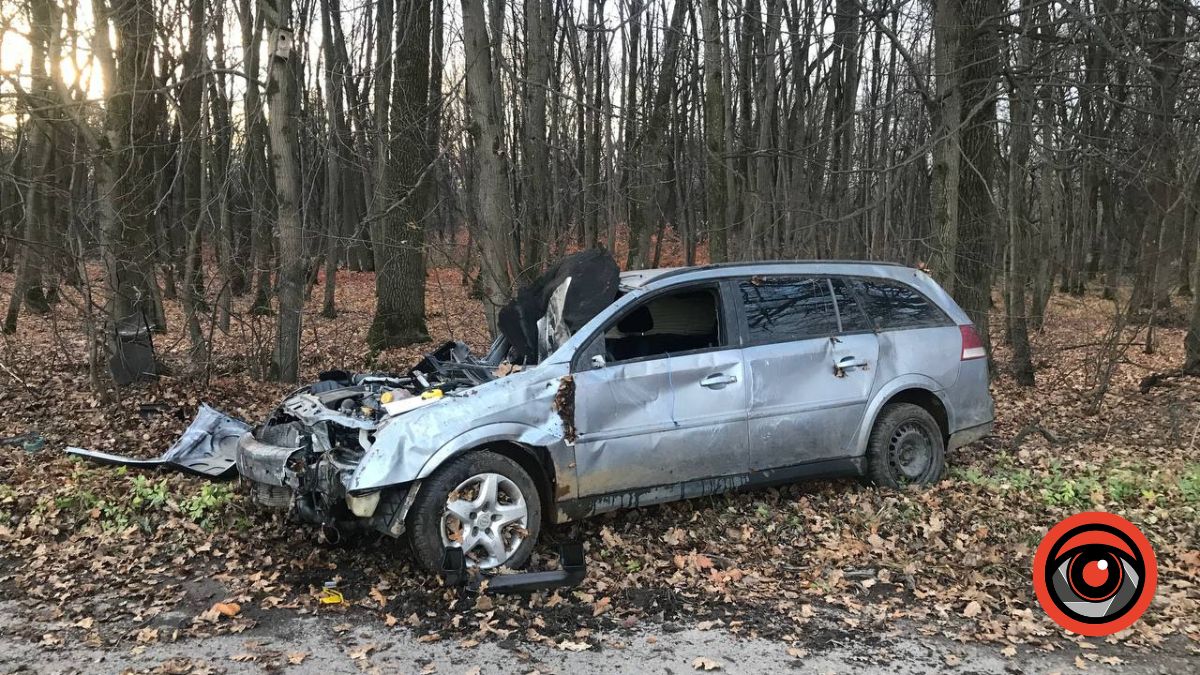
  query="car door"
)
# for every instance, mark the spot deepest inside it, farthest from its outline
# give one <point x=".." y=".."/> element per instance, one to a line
<point x="810" y="354"/>
<point x="648" y="416"/>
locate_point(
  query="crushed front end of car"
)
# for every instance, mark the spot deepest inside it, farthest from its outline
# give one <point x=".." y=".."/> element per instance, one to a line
<point x="303" y="458"/>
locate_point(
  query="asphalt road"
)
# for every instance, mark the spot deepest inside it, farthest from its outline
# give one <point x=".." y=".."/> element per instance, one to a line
<point x="324" y="646"/>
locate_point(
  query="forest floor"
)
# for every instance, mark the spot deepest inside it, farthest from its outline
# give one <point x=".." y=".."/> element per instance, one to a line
<point x="104" y="569"/>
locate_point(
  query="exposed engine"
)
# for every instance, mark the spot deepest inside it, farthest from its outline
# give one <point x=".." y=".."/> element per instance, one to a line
<point x="325" y="429"/>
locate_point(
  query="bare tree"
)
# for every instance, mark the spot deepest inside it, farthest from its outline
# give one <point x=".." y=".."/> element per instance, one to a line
<point x="281" y="94"/>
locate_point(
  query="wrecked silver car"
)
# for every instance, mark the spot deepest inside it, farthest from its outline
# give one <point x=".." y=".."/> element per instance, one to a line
<point x="664" y="385"/>
<point x="608" y="390"/>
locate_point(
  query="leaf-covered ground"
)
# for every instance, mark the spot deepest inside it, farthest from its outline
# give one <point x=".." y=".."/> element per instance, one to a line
<point x="118" y="560"/>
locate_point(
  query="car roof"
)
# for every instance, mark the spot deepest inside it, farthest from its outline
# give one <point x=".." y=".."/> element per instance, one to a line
<point x="638" y="278"/>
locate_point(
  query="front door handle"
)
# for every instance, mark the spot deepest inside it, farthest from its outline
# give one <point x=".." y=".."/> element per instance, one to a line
<point x="718" y="381"/>
<point x="846" y="363"/>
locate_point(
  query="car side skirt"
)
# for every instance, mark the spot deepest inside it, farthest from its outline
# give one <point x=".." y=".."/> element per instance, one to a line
<point x="583" y="507"/>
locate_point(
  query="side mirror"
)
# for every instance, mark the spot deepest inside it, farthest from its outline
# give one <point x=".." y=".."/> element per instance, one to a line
<point x="598" y="361"/>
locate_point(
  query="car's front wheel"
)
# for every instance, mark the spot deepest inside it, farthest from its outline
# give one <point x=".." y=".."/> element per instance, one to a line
<point x="906" y="447"/>
<point x="481" y="502"/>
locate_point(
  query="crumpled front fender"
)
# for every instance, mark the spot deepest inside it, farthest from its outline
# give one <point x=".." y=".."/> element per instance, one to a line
<point x="501" y="432"/>
<point x="518" y="409"/>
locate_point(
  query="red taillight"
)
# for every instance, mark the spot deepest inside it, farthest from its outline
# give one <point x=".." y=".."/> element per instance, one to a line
<point x="972" y="346"/>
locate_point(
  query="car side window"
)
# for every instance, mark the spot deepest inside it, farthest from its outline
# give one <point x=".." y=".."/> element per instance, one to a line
<point x="893" y="304"/>
<point x="683" y="321"/>
<point x="788" y="308"/>
<point x="854" y="318"/>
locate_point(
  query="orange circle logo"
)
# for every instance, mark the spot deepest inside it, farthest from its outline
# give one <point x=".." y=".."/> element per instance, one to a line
<point x="1094" y="573"/>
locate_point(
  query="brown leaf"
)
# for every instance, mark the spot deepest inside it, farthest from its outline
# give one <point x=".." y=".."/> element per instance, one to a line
<point x="601" y="606"/>
<point x="378" y="596"/>
<point x="227" y="609"/>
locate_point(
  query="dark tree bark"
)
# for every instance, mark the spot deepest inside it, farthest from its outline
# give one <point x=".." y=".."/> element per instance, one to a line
<point x="1021" y="106"/>
<point x="714" y="133"/>
<point x="191" y="150"/>
<point x="399" y="234"/>
<point x="126" y="174"/>
<point x="493" y="203"/>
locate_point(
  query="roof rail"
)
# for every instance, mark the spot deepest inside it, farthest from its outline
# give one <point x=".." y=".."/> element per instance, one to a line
<point x="757" y="263"/>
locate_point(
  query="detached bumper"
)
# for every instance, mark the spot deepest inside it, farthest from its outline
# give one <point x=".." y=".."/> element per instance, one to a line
<point x="969" y="435"/>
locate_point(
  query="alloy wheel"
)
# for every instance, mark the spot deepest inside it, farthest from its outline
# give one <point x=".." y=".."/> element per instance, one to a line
<point x="487" y="516"/>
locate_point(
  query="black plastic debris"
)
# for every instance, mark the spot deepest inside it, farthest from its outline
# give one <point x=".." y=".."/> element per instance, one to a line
<point x="558" y="303"/>
<point x="133" y="351"/>
<point x="30" y="441"/>
<point x="573" y="569"/>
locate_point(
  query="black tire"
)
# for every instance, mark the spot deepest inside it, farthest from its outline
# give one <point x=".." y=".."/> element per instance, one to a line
<point x="428" y="513"/>
<point x="906" y="447"/>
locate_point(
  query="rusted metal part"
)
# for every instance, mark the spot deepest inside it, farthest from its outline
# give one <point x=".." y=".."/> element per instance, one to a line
<point x="564" y="405"/>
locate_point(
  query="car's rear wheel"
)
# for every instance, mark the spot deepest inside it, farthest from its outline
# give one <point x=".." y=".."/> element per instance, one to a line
<point x="481" y="502"/>
<point x="906" y="447"/>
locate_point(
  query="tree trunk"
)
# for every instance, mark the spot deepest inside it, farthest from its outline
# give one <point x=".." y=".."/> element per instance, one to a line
<point x="717" y="215"/>
<point x="337" y="146"/>
<point x="281" y="96"/>
<point x="539" y="36"/>
<point x="399" y="235"/>
<point x="948" y="35"/>
<point x="195" y="197"/>
<point x="1019" y="252"/>
<point x="492" y="193"/>
<point x="126" y="174"/>
<point x="254" y="169"/>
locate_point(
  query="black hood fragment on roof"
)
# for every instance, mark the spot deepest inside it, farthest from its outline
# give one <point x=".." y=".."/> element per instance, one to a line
<point x="558" y="303"/>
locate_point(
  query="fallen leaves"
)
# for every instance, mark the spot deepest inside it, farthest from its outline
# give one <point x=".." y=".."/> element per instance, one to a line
<point x="954" y="557"/>
<point x="705" y="663"/>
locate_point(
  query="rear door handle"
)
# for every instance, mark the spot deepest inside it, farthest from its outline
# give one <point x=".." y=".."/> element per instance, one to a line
<point x="718" y="380"/>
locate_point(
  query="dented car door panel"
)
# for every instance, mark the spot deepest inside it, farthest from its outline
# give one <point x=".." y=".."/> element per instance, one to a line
<point x="804" y="407"/>
<point x="655" y="422"/>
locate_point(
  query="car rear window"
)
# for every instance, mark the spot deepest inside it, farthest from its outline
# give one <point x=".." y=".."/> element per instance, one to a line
<point x="893" y="305"/>
<point x="788" y="308"/>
